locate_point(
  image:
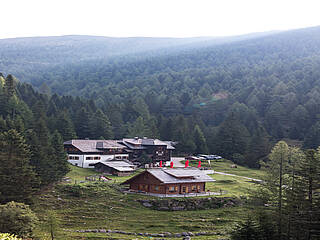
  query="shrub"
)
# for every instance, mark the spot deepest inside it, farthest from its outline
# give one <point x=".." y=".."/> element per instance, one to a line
<point x="17" y="218"/>
<point x="7" y="236"/>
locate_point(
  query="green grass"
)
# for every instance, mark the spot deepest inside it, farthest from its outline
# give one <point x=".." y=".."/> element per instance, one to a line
<point x="234" y="186"/>
<point x="97" y="205"/>
<point x="225" y="166"/>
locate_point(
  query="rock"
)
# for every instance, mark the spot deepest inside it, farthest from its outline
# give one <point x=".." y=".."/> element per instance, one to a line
<point x="186" y="238"/>
<point x="178" y="208"/>
<point x="147" y="204"/>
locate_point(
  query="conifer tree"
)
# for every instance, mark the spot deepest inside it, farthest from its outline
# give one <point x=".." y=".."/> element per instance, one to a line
<point x="18" y="180"/>
<point x="100" y="126"/>
<point x="65" y="126"/>
<point x="199" y="140"/>
<point x="59" y="157"/>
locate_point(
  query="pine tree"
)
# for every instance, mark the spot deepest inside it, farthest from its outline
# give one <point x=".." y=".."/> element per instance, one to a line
<point x="65" y="126"/>
<point x="100" y="126"/>
<point x="309" y="183"/>
<point x="272" y="192"/>
<point x="18" y="180"/>
<point x="199" y="140"/>
<point x="82" y="123"/>
<point x="232" y="136"/>
<point x="59" y="157"/>
<point x="247" y="230"/>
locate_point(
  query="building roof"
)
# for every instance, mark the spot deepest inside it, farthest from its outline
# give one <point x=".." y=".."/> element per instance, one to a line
<point x="96" y="146"/>
<point x="190" y="175"/>
<point x="141" y="143"/>
<point x="120" y="166"/>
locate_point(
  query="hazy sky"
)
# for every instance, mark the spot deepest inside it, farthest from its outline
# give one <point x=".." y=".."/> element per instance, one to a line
<point x="155" y="18"/>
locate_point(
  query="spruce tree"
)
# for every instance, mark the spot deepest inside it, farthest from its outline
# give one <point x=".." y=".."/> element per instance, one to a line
<point x="59" y="157"/>
<point x="199" y="140"/>
<point x="18" y="180"/>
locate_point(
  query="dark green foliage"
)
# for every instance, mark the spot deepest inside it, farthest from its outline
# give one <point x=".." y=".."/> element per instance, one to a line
<point x="18" y="180"/>
<point x="312" y="139"/>
<point x="233" y="137"/>
<point x="65" y="126"/>
<point x="200" y="141"/>
<point x="270" y="83"/>
<point x="58" y="157"/>
<point x="18" y="219"/>
<point x="100" y="126"/>
<point x="289" y="192"/>
<point x="247" y="230"/>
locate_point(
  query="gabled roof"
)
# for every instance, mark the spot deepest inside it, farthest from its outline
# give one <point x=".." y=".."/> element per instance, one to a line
<point x="141" y="143"/>
<point x="176" y="175"/>
<point x="94" y="145"/>
<point x="120" y="166"/>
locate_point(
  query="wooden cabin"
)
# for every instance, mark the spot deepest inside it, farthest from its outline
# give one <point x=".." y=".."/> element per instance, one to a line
<point x="155" y="149"/>
<point x="169" y="181"/>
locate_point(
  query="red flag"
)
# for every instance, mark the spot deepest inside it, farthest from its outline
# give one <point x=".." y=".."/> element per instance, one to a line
<point x="160" y="163"/>
<point x="199" y="164"/>
<point x="171" y="164"/>
<point x="186" y="164"/>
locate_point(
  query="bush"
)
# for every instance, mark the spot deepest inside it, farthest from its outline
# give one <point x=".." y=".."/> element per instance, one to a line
<point x="17" y="218"/>
<point x="7" y="236"/>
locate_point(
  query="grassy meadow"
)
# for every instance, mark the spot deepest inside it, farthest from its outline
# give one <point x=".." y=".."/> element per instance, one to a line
<point x="98" y="205"/>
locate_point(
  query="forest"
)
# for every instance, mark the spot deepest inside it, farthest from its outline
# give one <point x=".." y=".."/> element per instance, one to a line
<point x="237" y="97"/>
<point x="233" y="97"/>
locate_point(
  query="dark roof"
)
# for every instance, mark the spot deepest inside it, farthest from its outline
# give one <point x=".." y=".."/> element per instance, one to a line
<point x="94" y="145"/>
<point x="166" y="176"/>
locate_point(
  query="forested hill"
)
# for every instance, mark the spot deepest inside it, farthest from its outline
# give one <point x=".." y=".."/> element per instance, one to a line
<point x="229" y="96"/>
<point x="24" y="56"/>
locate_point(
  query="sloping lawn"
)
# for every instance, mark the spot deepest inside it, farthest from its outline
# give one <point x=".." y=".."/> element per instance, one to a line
<point x="99" y="205"/>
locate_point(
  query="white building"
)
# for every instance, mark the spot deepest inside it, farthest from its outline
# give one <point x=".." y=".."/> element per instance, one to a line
<point x="85" y="153"/>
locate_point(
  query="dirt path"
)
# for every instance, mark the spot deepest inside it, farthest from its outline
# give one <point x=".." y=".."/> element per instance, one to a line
<point x="233" y="175"/>
<point x="177" y="161"/>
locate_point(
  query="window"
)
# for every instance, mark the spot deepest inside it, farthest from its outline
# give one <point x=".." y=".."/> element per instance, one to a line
<point x="96" y="158"/>
<point x="89" y="158"/>
<point x="159" y="153"/>
<point x="73" y="158"/>
<point x="172" y="189"/>
<point x="184" y="188"/>
<point x="91" y="164"/>
<point x="156" y="188"/>
<point x="194" y="187"/>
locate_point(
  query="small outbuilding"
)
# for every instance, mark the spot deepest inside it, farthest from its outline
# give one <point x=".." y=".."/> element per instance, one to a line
<point x="117" y="168"/>
<point x="170" y="181"/>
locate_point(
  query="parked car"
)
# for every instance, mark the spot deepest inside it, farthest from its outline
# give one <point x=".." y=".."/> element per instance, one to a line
<point x="209" y="157"/>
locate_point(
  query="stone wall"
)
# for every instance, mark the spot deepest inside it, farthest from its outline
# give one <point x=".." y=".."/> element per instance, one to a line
<point x="190" y="204"/>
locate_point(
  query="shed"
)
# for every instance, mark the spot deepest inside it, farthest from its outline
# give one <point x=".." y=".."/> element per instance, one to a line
<point x="118" y="168"/>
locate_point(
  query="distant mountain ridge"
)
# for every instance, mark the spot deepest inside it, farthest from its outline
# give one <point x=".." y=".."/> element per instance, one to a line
<point x="19" y="56"/>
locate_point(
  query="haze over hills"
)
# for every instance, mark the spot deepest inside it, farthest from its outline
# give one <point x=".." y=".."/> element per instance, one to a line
<point x="22" y="55"/>
<point x="263" y="86"/>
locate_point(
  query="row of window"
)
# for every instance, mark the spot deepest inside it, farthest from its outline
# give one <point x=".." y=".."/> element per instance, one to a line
<point x="96" y="158"/>
<point x="93" y="158"/>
